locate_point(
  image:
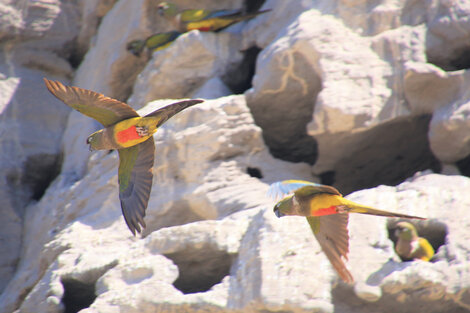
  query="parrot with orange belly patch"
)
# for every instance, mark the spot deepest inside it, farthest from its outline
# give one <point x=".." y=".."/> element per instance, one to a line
<point x="327" y="213"/>
<point x="130" y="134"/>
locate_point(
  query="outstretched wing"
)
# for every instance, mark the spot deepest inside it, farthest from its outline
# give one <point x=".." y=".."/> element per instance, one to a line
<point x="135" y="182"/>
<point x="105" y="110"/>
<point x="331" y="232"/>
<point x="195" y="15"/>
<point x="159" y="40"/>
<point x="301" y="188"/>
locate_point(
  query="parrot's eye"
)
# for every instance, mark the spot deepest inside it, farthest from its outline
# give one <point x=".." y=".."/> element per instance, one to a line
<point x="88" y="140"/>
<point x="161" y="9"/>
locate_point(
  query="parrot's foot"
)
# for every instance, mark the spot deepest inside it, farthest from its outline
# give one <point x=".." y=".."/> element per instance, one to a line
<point x="340" y="209"/>
<point x="142" y="131"/>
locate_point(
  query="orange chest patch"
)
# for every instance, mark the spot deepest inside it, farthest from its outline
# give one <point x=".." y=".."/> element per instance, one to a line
<point x="203" y="29"/>
<point x="325" y="211"/>
<point x="127" y="134"/>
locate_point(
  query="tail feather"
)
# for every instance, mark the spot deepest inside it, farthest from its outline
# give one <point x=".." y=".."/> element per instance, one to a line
<point x="371" y="211"/>
<point x="165" y="113"/>
<point x="241" y="16"/>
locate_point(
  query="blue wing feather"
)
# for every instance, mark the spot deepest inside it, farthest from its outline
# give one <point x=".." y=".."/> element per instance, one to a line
<point x="222" y="13"/>
<point x="279" y="189"/>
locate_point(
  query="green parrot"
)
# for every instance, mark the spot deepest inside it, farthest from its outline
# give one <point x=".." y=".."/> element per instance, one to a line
<point x="127" y="132"/>
<point x="203" y="20"/>
<point x="327" y="214"/>
<point x="156" y="42"/>
<point x="409" y="246"/>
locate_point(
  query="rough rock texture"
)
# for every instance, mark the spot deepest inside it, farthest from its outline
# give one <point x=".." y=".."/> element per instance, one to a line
<point x="37" y="40"/>
<point x="358" y="94"/>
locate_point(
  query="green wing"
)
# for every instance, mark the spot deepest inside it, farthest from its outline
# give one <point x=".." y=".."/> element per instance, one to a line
<point x="301" y="188"/>
<point x="160" y="39"/>
<point x="135" y="182"/>
<point x="194" y="15"/>
<point x="105" y="110"/>
<point x="331" y="232"/>
<point x="311" y="190"/>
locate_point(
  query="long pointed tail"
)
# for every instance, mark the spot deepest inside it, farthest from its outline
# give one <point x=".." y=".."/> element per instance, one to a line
<point x="353" y="207"/>
<point x="239" y="16"/>
<point x="165" y="113"/>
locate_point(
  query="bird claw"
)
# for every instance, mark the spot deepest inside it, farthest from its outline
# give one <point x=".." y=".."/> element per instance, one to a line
<point x="142" y="131"/>
<point x="340" y="209"/>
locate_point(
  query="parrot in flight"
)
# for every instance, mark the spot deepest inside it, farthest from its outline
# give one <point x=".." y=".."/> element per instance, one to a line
<point x="127" y="132"/>
<point x="203" y="20"/>
<point x="156" y="42"/>
<point x="409" y="246"/>
<point x="327" y="213"/>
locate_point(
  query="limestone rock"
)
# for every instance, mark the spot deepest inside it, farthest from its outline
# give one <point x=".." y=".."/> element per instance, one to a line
<point x="30" y="137"/>
<point x="37" y="37"/>
<point x="360" y="91"/>
<point x="114" y="69"/>
<point x="205" y="156"/>
<point x="449" y="31"/>
<point x="438" y="286"/>
<point x="324" y="70"/>
<point x="251" y="260"/>
<point x="448" y="132"/>
<point x="202" y="56"/>
<point x="364" y="93"/>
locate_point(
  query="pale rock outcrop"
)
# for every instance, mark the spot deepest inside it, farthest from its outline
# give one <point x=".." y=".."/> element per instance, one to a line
<point x="449" y="136"/>
<point x="316" y="57"/>
<point x="177" y="71"/>
<point x="447" y="42"/>
<point x="38" y="40"/>
<point x="366" y="92"/>
<point x="268" y="263"/>
<point x="205" y="156"/>
<point x="115" y="69"/>
<point x="356" y="88"/>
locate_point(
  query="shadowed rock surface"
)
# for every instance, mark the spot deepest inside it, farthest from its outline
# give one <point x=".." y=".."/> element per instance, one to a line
<point x="369" y="94"/>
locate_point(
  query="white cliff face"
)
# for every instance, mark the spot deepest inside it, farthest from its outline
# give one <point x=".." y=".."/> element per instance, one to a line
<point x="354" y="94"/>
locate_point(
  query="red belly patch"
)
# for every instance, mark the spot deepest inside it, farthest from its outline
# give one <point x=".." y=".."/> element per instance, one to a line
<point x="127" y="134"/>
<point x="202" y="29"/>
<point x="325" y="211"/>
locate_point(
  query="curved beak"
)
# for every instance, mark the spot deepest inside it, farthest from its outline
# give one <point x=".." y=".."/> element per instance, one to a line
<point x="277" y="212"/>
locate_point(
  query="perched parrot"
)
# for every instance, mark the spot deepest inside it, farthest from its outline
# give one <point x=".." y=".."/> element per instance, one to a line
<point x="203" y="20"/>
<point x="409" y="246"/>
<point x="153" y="43"/>
<point x="128" y="133"/>
<point x="326" y="212"/>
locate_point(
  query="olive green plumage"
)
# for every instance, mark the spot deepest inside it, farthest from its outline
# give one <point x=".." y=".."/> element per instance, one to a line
<point x="327" y="213"/>
<point x="130" y="134"/>
<point x="155" y="42"/>
<point x="409" y="245"/>
<point x="200" y="19"/>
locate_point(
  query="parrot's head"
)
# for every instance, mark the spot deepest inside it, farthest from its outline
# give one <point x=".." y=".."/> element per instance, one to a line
<point x="95" y="141"/>
<point x="405" y="231"/>
<point x="287" y="206"/>
<point x="167" y="9"/>
<point x="135" y="47"/>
